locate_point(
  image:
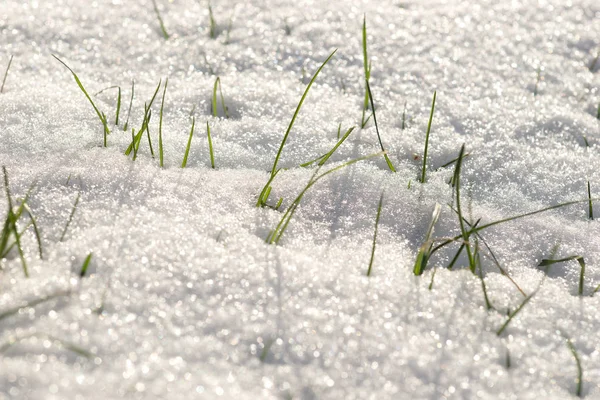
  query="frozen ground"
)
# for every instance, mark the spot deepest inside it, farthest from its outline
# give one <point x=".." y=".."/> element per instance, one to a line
<point x="196" y="304"/>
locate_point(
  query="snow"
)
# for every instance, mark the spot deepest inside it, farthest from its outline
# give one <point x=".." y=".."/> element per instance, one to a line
<point x="196" y="304"/>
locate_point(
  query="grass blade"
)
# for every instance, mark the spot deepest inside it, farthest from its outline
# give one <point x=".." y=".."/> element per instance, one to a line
<point x="32" y="303"/>
<point x="464" y="233"/>
<point x="130" y="103"/>
<point x="160" y="21"/>
<point x="367" y="70"/>
<point x="210" y="146"/>
<point x="118" y="107"/>
<point x="424" y="169"/>
<point x="579" y="389"/>
<point x="212" y="23"/>
<point x="579" y="259"/>
<point x="425" y="249"/>
<point x="387" y="160"/>
<point x="38" y="237"/>
<point x="6" y="73"/>
<point x="590" y="206"/>
<point x="375" y="235"/>
<point x="189" y="144"/>
<point x="70" y="216"/>
<point x="100" y="115"/>
<point x="214" y="99"/>
<point x="261" y="202"/>
<point x="86" y="264"/>
<point x="160" y="121"/>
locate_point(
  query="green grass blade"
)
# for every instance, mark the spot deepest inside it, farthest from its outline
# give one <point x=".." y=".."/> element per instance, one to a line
<point x="367" y="70"/>
<point x="86" y="264"/>
<point x="260" y="202"/>
<point x="375" y="235"/>
<point x="404" y="117"/>
<point x="100" y="116"/>
<point x="218" y="86"/>
<point x="145" y="122"/>
<point x="130" y="103"/>
<point x="38" y="237"/>
<point x="160" y="21"/>
<point x="70" y="217"/>
<point x="579" y="389"/>
<point x="387" y="160"/>
<point x="160" y="121"/>
<point x="464" y="233"/>
<point x="425" y="249"/>
<point x="189" y="144"/>
<point x="6" y="73"/>
<point x="590" y="205"/>
<point x="579" y="259"/>
<point x="514" y="313"/>
<point x="424" y="169"/>
<point x="118" y="107"/>
<point x="212" y="33"/>
<point x="210" y="146"/>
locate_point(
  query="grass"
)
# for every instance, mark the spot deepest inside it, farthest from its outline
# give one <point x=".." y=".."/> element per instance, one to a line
<point x="579" y="388"/>
<point x="6" y="74"/>
<point x="85" y="265"/>
<point x="62" y="236"/>
<point x="101" y="116"/>
<point x="403" y="126"/>
<point x="264" y="194"/>
<point x="425" y="249"/>
<point x="118" y="101"/>
<point x="33" y="303"/>
<point x="387" y="160"/>
<point x="10" y="226"/>
<point x="160" y="121"/>
<point x="464" y="233"/>
<point x="212" y="27"/>
<point x="367" y="69"/>
<point x="210" y="146"/>
<point x="130" y="103"/>
<point x="214" y="99"/>
<point x="160" y="21"/>
<point x="579" y="259"/>
<point x="189" y="144"/>
<point x="375" y="235"/>
<point x="424" y="169"/>
<point x="590" y="204"/>
<point x="135" y="143"/>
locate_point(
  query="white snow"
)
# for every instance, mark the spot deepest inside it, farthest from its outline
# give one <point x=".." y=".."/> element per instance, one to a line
<point x="197" y="305"/>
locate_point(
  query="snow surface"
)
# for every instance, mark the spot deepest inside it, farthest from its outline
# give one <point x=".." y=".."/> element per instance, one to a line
<point x="197" y="305"/>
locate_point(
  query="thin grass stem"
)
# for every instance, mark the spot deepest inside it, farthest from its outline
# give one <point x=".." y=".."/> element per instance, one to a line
<point x="6" y="73"/>
<point x="189" y="144"/>
<point x="424" y="168"/>
<point x="375" y="235"/>
<point x="387" y="160"/>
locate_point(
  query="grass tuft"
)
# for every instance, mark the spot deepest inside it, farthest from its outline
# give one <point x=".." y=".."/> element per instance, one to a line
<point x="189" y="144"/>
<point x="263" y="196"/>
<point x="6" y="73"/>
<point x="375" y="235"/>
<point x="101" y="116"/>
<point x="424" y="169"/>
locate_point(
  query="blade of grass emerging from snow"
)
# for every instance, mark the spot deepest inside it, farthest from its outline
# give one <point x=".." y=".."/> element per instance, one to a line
<point x="276" y="234"/>
<point x="323" y="159"/>
<point x="214" y="99"/>
<point x="189" y="144"/>
<point x="375" y="235"/>
<point x="36" y="231"/>
<point x="212" y="32"/>
<point x="210" y="146"/>
<point x="579" y="389"/>
<point x="101" y="116"/>
<point x="367" y="70"/>
<point x="404" y="117"/>
<point x="464" y="233"/>
<point x="70" y="217"/>
<point x="160" y="141"/>
<point x="424" y="169"/>
<point x="579" y="259"/>
<point x="136" y="142"/>
<point x="86" y="264"/>
<point x="160" y="21"/>
<point x="130" y="103"/>
<point x="261" y="202"/>
<point x="387" y="160"/>
<point x="118" y="107"/>
<point x="590" y="205"/>
<point x="10" y="225"/>
<point x="425" y="249"/>
<point x="6" y="74"/>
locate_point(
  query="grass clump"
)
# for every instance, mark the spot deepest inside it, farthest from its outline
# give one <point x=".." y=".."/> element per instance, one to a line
<point x="6" y="73"/>
<point x="101" y="115"/>
<point x="160" y="21"/>
<point x="135" y="143"/>
<point x="264" y="194"/>
<point x="375" y="234"/>
<point x="189" y="144"/>
<point x="424" y="168"/>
